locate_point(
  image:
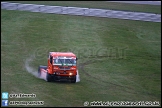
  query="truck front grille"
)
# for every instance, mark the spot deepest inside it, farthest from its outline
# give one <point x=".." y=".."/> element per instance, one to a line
<point x="64" y="67"/>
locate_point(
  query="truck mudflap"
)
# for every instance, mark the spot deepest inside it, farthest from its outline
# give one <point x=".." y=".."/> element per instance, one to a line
<point x="42" y="72"/>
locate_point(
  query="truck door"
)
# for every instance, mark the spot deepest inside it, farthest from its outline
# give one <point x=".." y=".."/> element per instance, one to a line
<point x="50" y="61"/>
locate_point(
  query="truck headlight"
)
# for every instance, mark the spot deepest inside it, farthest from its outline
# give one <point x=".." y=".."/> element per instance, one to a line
<point x="70" y="73"/>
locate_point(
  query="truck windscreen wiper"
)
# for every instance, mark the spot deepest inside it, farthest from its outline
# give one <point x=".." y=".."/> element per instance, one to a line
<point x="60" y="61"/>
<point x="70" y="61"/>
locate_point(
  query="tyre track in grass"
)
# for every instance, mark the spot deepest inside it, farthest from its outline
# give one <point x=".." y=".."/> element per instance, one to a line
<point x="82" y="65"/>
<point x="124" y="88"/>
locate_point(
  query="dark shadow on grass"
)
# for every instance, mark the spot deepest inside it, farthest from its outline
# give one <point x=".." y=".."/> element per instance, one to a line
<point x="61" y="82"/>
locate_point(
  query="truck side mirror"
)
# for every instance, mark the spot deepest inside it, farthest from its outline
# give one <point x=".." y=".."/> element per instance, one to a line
<point x="51" y="59"/>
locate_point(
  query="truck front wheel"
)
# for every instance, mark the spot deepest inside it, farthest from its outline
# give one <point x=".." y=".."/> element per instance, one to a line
<point x="48" y="77"/>
<point x="73" y="80"/>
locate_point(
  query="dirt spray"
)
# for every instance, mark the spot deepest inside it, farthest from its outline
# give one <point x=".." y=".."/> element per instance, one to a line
<point x="77" y="77"/>
<point x="30" y="69"/>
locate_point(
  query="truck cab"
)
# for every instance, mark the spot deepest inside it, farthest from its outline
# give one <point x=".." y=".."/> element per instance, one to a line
<point x="61" y="65"/>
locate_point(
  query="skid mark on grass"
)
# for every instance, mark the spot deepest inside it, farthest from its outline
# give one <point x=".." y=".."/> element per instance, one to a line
<point x="77" y="77"/>
<point x="118" y="85"/>
<point x="85" y="34"/>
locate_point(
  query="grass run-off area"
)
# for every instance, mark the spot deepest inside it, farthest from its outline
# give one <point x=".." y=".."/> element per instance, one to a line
<point x="118" y="60"/>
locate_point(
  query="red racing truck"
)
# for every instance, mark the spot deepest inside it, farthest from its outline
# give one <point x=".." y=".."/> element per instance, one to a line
<point x="61" y="65"/>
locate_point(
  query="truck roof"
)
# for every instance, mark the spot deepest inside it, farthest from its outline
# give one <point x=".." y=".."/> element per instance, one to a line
<point x="69" y="54"/>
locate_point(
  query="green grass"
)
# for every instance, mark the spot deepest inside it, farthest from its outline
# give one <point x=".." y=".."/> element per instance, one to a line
<point x="101" y="5"/>
<point x="123" y="57"/>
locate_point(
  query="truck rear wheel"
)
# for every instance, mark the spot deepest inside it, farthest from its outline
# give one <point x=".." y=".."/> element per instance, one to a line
<point x="48" y="77"/>
<point x="73" y="80"/>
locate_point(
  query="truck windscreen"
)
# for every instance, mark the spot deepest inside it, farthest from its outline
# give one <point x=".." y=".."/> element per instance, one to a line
<point x="69" y="62"/>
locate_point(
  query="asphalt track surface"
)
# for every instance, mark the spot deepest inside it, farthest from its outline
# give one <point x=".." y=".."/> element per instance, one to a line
<point x="140" y="2"/>
<point x="141" y="16"/>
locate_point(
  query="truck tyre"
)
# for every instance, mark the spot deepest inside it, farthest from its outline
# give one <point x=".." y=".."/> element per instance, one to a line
<point x="39" y="71"/>
<point x="48" y="77"/>
<point x="73" y="80"/>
